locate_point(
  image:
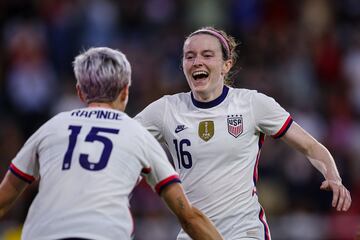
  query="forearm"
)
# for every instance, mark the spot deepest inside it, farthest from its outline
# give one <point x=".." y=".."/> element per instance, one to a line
<point x="199" y="227"/>
<point x="317" y="154"/>
<point x="323" y="161"/>
<point x="193" y="221"/>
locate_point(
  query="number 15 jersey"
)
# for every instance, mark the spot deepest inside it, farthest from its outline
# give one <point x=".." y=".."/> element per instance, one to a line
<point x="215" y="148"/>
<point x="88" y="161"/>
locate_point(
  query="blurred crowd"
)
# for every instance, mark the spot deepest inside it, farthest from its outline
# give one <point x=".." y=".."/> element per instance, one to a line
<point x="304" y="53"/>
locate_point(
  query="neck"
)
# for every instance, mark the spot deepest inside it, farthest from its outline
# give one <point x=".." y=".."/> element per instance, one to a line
<point x="99" y="104"/>
<point x="110" y="105"/>
<point x="207" y="97"/>
<point x="213" y="103"/>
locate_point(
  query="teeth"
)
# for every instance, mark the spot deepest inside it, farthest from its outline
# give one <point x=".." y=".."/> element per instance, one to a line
<point x="197" y="73"/>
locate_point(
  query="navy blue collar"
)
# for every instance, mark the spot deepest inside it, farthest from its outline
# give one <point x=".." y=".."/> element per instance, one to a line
<point x="212" y="103"/>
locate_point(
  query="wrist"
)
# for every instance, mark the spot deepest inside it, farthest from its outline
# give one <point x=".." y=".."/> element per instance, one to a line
<point x="336" y="179"/>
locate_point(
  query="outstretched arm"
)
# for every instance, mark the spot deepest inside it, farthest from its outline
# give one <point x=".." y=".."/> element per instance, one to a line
<point x="322" y="160"/>
<point x="10" y="189"/>
<point x="193" y="221"/>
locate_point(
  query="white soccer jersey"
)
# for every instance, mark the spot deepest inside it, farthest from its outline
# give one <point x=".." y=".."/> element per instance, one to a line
<point x="88" y="161"/>
<point x="215" y="147"/>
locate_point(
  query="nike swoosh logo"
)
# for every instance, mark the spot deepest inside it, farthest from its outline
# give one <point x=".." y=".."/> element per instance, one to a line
<point x="180" y="128"/>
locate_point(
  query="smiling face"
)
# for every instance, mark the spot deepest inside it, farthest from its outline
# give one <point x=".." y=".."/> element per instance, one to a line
<point x="204" y="67"/>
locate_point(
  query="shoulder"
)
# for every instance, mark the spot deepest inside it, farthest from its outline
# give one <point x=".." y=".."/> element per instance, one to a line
<point x="161" y="105"/>
<point x="175" y="99"/>
<point x="243" y="93"/>
<point x="59" y="118"/>
<point x="133" y="127"/>
<point x="47" y="128"/>
<point x="56" y="120"/>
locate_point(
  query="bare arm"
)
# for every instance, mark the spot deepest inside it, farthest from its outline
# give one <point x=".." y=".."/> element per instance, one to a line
<point x="10" y="189"/>
<point x="322" y="160"/>
<point x="193" y="221"/>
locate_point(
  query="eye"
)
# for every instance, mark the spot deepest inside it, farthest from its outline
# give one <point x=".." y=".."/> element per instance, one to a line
<point x="208" y="54"/>
<point x="189" y="57"/>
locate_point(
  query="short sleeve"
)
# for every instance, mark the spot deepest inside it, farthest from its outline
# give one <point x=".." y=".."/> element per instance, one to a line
<point x="270" y="118"/>
<point x="25" y="164"/>
<point x="152" y="118"/>
<point x="157" y="171"/>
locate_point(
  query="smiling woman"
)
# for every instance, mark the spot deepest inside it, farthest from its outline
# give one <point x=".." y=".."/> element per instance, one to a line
<point x="208" y="57"/>
<point x="215" y="134"/>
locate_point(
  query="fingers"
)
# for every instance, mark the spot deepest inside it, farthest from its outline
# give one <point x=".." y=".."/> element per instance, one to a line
<point x="347" y="202"/>
<point x="336" y="192"/>
<point x="341" y="198"/>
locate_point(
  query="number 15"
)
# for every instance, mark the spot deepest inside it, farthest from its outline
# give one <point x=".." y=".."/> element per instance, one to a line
<point x="92" y="136"/>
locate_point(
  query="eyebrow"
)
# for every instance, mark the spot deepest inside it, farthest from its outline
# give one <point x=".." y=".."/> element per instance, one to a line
<point x="204" y="51"/>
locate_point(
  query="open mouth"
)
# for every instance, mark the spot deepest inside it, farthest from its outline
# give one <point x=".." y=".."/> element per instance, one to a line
<point x="198" y="75"/>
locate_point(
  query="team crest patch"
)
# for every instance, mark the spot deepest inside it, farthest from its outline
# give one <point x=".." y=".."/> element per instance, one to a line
<point x="206" y="130"/>
<point x="235" y="125"/>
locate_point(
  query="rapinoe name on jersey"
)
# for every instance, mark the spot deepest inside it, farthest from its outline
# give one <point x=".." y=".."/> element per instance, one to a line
<point x="235" y="125"/>
<point x="99" y="114"/>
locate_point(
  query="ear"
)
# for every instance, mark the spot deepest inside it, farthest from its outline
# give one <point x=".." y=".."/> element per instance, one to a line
<point x="79" y="93"/>
<point x="124" y="93"/>
<point x="227" y="66"/>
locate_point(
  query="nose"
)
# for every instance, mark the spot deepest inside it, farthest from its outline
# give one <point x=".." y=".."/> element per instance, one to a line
<point x="197" y="61"/>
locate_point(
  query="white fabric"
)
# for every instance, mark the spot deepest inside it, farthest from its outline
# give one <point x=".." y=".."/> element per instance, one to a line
<point x="81" y="201"/>
<point x="220" y="180"/>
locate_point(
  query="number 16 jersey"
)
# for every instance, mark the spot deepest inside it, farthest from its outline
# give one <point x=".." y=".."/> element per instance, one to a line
<point x="215" y="148"/>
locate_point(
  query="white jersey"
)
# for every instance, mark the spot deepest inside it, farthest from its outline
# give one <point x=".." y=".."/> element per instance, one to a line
<point x="88" y="161"/>
<point x="215" y="147"/>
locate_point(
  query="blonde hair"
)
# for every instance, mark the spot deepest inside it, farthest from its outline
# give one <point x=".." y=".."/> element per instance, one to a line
<point x="101" y="73"/>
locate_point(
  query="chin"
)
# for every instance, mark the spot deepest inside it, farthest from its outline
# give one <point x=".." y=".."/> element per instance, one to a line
<point x="199" y="89"/>
<point x="200" y="86"/>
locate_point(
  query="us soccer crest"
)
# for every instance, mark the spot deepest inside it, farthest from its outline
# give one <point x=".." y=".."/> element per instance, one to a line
<point x="206" y="130"/>
<point x="235" y="125"/>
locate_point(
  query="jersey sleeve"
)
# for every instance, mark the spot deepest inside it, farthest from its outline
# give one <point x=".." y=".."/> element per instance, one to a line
<point x="25" y="164"/>
<point x="270" y="118"/>
<point x="157" y="170"/>
<point x="152" y="118"/>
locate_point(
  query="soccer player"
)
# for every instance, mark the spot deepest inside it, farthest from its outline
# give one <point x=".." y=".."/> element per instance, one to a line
<point x="89" y="160"/>
<point x="215" y="133"/>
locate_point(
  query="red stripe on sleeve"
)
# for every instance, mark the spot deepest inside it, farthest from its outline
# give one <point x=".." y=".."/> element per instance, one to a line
<point x="21" y="174"/>
<point x="284" y="128"/>
<point x="169" y="180"/>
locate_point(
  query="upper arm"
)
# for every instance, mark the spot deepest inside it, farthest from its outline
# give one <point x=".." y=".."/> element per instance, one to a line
<point x="10" y="189"/>
<point x="299" y="139"/>
<point x="13" y="184"/>
<point x="270" y="118"/>
<point x="159" y="173"/>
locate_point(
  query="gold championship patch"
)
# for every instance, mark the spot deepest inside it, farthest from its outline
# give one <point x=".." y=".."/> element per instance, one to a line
<point x="206" y="130"/>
